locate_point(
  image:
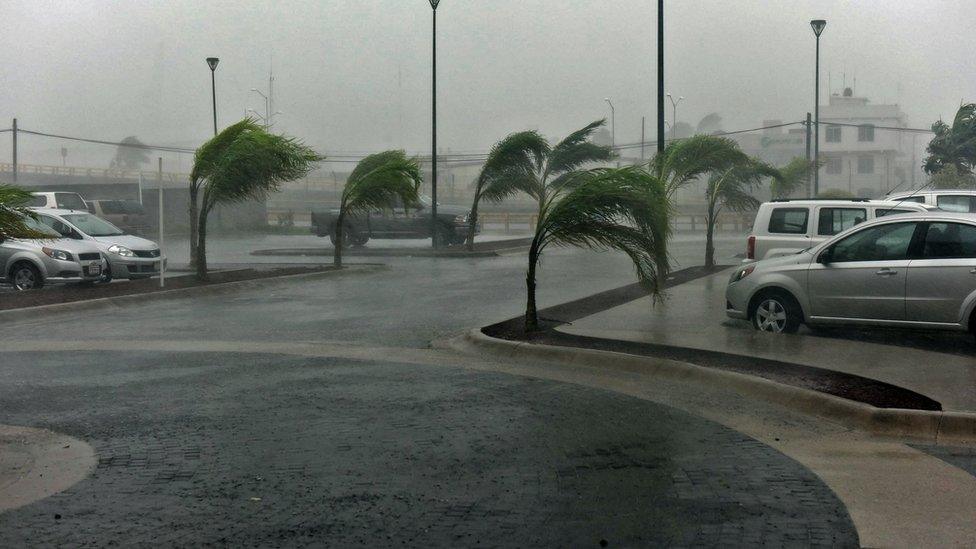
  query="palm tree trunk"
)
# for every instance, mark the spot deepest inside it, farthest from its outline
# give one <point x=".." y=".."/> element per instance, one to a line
<point x="472" y="223"/>
<point x="531" y="314"/>
<point x="201" y="251"/>
<point x="194" y="225"/>
<point x="340" y="221"/>
<point x="709" y="234"/>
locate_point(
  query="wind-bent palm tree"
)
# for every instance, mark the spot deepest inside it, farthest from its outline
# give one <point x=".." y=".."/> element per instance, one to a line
<point x="376" y="183"/>
<point x="510" y="168"/>
<point x="244" y="162"/>
<point x="954" y="145"/>
<point x="794" y="177"/>
<point x="622" y="209"/>
<point x="732" y="189"/>
<point x="14" y="215"/>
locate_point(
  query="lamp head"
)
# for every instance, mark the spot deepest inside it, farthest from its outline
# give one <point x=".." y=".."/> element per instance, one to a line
<point x="433" y="3"/>
<point x="818" y="26"/>
<point x="212" y="61"/>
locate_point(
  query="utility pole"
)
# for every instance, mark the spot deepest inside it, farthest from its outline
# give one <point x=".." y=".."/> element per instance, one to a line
<point x="660" y="76"/>
<point x="809" y="179"/>
<point x="818" y="26"/>
<point x="15" y="150"/>
<point x="433" y="123"/>
<point x="162" y="256"/>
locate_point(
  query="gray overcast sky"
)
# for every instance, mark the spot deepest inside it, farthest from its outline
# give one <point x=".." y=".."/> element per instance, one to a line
<point x="355" y="75"/>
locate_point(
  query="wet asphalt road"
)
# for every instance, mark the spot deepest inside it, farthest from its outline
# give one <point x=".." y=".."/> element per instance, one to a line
<point x="260" y="449"/>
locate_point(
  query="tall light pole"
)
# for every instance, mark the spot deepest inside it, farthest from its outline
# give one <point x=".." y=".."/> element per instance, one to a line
<point x="660" y="76"/>
<point x="613" y="125"/>
<point x="212" y="62"/>
<point x="674" y="110"/>
<point x="267" y="107"/>
<point x="818" y="26"/>
<point x="433" y="124"/>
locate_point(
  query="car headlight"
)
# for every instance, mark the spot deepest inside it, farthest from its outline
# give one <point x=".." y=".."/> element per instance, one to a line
<point x="461" y="218"/>
<point x="57" y="254"/>
<point x="121" y="250"/>
<point x="742" y="273"/>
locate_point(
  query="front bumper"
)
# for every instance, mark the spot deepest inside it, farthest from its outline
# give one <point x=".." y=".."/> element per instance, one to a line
<point x="737" y="301"/>
<point x="66" y="272"/>
<point x="135" y="267"/>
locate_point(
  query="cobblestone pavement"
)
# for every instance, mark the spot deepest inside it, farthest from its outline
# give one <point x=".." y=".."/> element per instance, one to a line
<point x="263" y="450"/>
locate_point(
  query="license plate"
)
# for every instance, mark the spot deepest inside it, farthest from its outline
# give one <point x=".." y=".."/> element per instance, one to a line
<point x="94" y="269"/>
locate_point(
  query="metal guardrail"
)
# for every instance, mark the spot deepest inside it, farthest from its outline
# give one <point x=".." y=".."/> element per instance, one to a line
<point x="106" y="173"/>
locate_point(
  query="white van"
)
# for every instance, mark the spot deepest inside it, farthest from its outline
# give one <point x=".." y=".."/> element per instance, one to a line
<point x="950" y="200"/>
<point x="58" y="200"/>
<point x="785" y="227"/>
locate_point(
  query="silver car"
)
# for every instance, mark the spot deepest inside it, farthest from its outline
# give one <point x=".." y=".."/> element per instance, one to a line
<point x="128" y="256"/>
<point x="29" y="264"/>
<point x="916" y="269"/>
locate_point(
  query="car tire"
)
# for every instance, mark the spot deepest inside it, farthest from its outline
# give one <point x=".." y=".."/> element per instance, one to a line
<point x="106" y="275"/>
<point x="776" y="312"/>
<point x="447" y="236"/>
<point x="358" y="240"/>
<point x="347" y="237"/>
<point x="25" y="276"/>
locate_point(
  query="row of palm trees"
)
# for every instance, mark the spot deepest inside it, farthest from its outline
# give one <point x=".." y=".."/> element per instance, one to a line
<point x="627" y="209"/>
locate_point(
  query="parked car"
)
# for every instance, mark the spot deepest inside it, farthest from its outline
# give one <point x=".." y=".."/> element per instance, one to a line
<point x="128" y="256"/>
<point x="784" y="227"/>
<point x="59" y="200"/>
<point x="127" y="215"/>
<point x="949" y="200"/>
<point x="398" y="222"/>
<point x="916" y="269"/>
<point x="29" y="264"/>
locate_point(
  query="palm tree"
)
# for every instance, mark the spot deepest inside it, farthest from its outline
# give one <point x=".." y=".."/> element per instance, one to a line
<point x="954" y="145"/>
<point x="377" y="182"/>
<point x="244" y="162"/>
<point x="14" y="215"/>
<point x="732" y="189"/>
<point x="793" y="177"/>
<point x="510" y="168"/>
<point x="624" y="209"/>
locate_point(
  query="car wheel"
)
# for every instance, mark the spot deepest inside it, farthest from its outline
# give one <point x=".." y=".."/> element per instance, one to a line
<point x="106" y="275"/>
<point x="347" y="237"/>
<point x="776" y="312"/>
<point x="358" y="240"/>
<point x="25" y="276"/>
<point x="446" y="236"/>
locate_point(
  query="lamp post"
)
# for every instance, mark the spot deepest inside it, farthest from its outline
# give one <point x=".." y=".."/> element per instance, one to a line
<point x="613" y="125"/>
<point x="674" y="110"/>
<point x="212" y="62"/>
<point x="660" y="76"/>
<point x="433" y="124"/>
<point x="818" y="26"/>
<point x="267" y="107"/>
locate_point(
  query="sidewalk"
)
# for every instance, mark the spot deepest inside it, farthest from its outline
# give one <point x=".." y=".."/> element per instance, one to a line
<point x="693" y="316"/>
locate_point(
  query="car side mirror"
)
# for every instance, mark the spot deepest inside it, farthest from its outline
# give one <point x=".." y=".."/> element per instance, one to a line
<point x="825" y="256"/>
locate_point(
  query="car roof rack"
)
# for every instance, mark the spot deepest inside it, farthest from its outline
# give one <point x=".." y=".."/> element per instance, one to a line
<point x="821" y="199"/>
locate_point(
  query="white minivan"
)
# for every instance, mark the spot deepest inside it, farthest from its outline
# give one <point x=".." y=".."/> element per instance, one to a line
<point x="785" y="227"/>
<point x="950" y="200"/>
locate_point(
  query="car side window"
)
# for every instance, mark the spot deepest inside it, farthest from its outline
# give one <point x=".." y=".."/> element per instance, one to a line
<point x="955" y="203"/>
<point x="888" y="242"/>
<point x="915" y="198"/>
<point x="949" y="240"/>
<point x="890" y="211"/>
<point x="837" y="220"/>
<point x="788" y="220"/>
<point x="61" y="228"/>
<point x="37" y="201"/>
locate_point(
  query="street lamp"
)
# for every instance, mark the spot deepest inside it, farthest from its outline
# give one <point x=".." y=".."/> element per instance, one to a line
<point x="613" y="125"/>
<point x="674" y="111"/>
<point x="818" y="26"/>
<point x="660" y="76"/>
<point x="433" y="125"/>
<point x="212" y="62"/>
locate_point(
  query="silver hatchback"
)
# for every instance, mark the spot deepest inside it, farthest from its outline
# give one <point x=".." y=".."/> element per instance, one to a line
<point x="914" y="269"/>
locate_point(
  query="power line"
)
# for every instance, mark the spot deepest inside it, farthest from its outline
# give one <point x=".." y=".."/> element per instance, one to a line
<point x="892" y="128"/>
<point x="113" y="143"/>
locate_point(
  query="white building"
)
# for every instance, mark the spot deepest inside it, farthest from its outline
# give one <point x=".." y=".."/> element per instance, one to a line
<point x="858" y="154"/>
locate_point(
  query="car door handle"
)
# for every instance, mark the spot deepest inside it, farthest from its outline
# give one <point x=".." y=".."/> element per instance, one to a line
<point x="972" y="271"/>
<point x="886" y="272"/>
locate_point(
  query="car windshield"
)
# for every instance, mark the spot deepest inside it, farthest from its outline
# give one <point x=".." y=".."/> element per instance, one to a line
<point x="36" y="225"/>
<point x="70" y="201"/>
<point x="93" y="226"/>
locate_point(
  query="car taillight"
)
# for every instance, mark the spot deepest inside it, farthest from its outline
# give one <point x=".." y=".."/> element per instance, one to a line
<point x="751" y="247"/>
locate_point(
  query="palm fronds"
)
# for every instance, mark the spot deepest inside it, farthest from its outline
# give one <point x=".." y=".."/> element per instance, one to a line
<point x="624" y="209"/>
<point x="793" y="177"/>
<point x="576" y="150"/>
<point x="684" y="161"/>
<point x="14" y="215"/>
<point x="954" y="145"/>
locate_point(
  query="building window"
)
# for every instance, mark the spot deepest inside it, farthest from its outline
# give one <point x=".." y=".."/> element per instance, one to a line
<point x="865" y="164"/>
<point x="833" y="164"/>
<point x="833" y="134"/>
<point x="865" y="133"/>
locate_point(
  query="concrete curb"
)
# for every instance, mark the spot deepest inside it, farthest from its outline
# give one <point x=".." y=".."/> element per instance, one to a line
<point x="102" y="303"/>
<point x="935" y="427"/>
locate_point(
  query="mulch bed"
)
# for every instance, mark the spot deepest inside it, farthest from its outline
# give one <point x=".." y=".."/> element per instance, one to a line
<point x="70" y="293"/>
<point x="481" y="249"/>
<point x="849" y="386"/>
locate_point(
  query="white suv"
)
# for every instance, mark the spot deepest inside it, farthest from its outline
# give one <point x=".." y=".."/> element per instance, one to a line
<point x="960" y="201"/>
<point x="785" y="227"/>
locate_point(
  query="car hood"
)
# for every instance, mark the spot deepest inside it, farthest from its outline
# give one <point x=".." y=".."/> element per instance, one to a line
<point x="127" y="240"/>
<point x="66" y="244"/>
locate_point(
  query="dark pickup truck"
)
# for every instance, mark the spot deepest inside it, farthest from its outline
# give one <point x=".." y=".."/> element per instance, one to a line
<point x="398" y="222"/>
